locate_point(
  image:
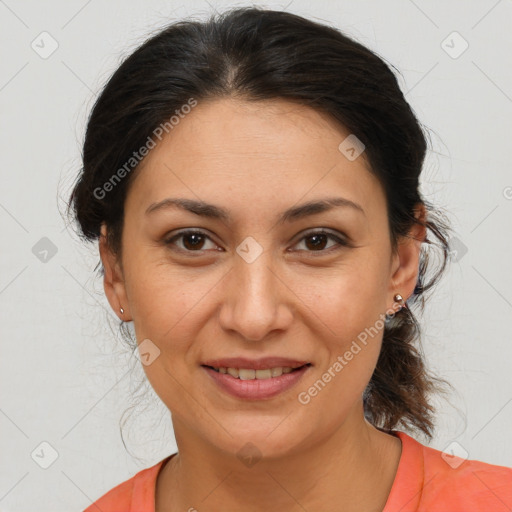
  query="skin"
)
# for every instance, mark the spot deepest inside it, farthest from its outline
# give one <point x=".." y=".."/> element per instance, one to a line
<point x="295" y="300"/>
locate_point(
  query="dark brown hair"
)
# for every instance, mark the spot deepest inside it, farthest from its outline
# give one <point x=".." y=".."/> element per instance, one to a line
<point x="257" y="54"/>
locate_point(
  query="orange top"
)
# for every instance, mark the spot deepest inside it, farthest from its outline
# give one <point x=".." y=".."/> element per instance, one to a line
<point x="427" y="480"/>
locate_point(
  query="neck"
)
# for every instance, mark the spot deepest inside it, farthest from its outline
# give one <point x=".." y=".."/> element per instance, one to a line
<point x="343" y="469"/>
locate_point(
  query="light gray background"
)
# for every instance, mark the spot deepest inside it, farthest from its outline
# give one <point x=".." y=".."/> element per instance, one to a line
<point x="65" y="376"/>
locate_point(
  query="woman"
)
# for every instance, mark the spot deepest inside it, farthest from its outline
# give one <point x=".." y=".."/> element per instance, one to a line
<point x="253" y="184"/>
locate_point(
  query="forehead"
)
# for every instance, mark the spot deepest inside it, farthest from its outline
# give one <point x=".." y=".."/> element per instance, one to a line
<point x="263" y="152"/>
<point x="278" y="129"/>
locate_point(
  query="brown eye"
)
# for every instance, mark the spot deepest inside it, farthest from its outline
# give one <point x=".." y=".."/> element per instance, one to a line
<point x="316" y="241"/>
<point x="192" y="241"/>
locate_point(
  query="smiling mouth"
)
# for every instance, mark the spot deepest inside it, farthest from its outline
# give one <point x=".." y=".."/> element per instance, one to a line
<point x="251" y="374"/>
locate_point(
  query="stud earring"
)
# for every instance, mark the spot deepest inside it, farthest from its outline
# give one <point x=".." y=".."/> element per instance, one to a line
<point x="122" y="310"/>
<point x="398" y="298"/>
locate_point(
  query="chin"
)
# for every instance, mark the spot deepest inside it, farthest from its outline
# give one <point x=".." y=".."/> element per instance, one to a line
<point x="256" y="438"/>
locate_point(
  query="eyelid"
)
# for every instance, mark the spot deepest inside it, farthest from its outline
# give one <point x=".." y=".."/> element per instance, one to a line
<point x="340" y="238"/>
<point x="192" y="231"/>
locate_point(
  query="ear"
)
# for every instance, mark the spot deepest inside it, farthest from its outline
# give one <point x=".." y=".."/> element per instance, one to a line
<point x="113" y="279"/>
<point x="407" y="257"/>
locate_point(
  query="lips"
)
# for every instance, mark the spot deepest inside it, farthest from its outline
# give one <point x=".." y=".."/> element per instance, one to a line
<point x="254" y="388"/>
<point x="255" y="364"/>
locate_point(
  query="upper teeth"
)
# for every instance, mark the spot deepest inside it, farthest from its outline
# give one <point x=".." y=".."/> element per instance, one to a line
<point x="249" y="374"/>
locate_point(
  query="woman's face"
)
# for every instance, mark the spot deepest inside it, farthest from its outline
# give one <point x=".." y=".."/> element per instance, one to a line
<point x="252" y="284"/>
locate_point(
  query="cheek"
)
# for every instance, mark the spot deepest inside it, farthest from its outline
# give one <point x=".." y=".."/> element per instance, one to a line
<point x="346" y="310"/>
<point x="353" y="332"/>
<point x="345" y="299"/>
<point x="168" y="308"/>
<point x="167" y="302"/>
<point x="349" y="344"/>
<point x="160" y="304"/>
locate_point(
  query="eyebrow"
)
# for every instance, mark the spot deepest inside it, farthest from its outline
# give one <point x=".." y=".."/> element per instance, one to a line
<point x="292" y="214"/>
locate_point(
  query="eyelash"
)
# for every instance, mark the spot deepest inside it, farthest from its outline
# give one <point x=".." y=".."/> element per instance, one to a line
<point x="341" y="242"/>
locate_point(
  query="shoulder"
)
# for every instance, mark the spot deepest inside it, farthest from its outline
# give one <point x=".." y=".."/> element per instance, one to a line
<point x="467" y="482"/>
<point x="116" y="500"/>
<point x="138" y="491"/>
<point x="442" y="482"/>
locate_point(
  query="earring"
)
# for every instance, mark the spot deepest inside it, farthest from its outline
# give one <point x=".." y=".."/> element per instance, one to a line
<point x="400" y="299"/>
<point x="122" y="310"/>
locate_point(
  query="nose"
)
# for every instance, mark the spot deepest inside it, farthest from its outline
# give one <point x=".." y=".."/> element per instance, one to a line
<point x="256" y="300"/>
